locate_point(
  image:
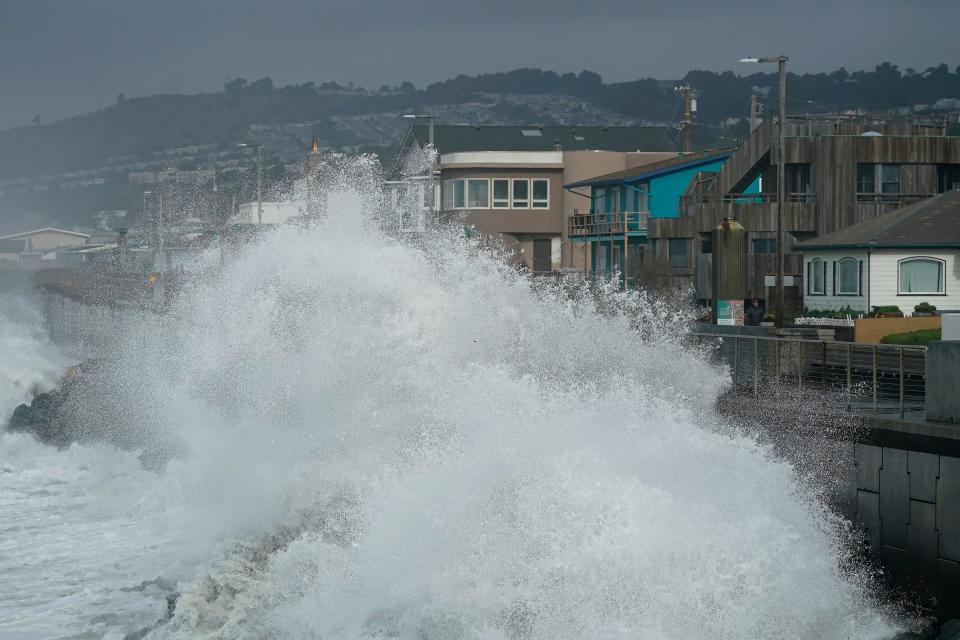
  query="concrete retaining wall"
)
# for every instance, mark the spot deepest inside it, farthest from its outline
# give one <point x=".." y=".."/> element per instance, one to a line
<point x="908" y="505"/>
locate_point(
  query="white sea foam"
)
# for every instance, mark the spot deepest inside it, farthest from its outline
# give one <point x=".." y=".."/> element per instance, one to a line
<point x="386" y="440"/>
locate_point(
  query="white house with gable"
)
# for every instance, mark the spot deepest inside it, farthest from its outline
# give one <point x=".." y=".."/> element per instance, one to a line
<point x="902" y="258"/>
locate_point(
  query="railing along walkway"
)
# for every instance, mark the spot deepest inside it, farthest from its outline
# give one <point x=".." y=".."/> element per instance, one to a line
<point x="875" y="378"/>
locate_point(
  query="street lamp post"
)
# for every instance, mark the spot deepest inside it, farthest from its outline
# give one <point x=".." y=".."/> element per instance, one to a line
<point x="258" y="147"/>
<point x="781" y="174"/>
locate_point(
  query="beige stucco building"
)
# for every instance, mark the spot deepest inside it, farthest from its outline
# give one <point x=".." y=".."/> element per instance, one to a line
<point x="507" y="182"/>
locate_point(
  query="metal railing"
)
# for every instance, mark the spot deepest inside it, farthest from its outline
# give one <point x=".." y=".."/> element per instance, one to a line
<point x="874" y="378"/>
<point x="892" y="198"/>
<point x="745" y="198"/>
<point x="616" y="223"/>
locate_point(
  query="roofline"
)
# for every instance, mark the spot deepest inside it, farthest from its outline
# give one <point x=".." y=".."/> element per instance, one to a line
<point x="596" y="182"/>
<point x="29" y="233"/>
<point x="879" y="245"/>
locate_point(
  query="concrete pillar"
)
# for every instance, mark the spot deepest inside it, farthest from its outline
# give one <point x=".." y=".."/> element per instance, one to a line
<point x="943" y="381"/>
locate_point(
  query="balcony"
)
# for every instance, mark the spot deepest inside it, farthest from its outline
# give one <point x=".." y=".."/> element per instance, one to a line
<point x="755" y="211"/>
<point x="608" y="224"/>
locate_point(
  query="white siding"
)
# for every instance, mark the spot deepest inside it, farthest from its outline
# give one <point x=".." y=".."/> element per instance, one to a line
<point x="830" y="298"/>
<point x="883" y="280"/>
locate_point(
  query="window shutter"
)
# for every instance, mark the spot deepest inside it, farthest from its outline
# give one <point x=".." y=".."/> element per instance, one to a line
<point x="834" y="279"/>
<point x="824" y="289"/>
<point x="860" y="279"/>
<point x="809" y="266"/>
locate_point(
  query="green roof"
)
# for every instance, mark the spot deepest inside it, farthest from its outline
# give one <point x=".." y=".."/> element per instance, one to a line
<point x="456" y="138"/>
<point x="932" y="223"/>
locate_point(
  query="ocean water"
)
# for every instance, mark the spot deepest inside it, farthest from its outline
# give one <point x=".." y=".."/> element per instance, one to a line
<point x="378" y="437"/>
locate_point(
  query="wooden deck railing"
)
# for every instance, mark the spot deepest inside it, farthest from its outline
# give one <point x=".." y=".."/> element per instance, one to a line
<point x="605" y="224"/>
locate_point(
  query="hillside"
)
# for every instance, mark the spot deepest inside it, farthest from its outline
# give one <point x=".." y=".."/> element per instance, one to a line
<point x="66" y="172"/>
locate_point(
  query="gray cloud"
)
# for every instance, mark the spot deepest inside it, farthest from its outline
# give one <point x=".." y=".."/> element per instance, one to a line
<point x="62" y="57"/>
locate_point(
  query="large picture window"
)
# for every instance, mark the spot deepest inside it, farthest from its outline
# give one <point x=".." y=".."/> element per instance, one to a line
<point x="848" y="277"/>
<point x="921" y="276"/>
<point x="478" y="194"/>
<point x="541" y="194"/>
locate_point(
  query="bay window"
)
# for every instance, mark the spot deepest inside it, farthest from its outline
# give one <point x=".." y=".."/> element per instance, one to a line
<point x="478" y="194"/>
<point x="453" y="194"/>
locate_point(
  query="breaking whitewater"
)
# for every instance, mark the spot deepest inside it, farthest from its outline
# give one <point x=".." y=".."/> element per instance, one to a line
<point x="345" y="434"/>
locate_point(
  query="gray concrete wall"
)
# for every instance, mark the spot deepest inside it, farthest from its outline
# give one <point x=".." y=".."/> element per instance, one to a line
<point x="943" y="381"/>
<point x="907" y="504"/>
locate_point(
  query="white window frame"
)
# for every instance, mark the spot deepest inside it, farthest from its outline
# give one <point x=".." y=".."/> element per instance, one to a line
<point x="533" y="201"/>
<point x="467" y="193"/>
<point x="941" y="284"/>
<point x="513" y="200"/>
<point x="452" y="203"/>
<point x="817" y="285"/>
<point x="493" y="192"/>
<point x="856" y="269"/>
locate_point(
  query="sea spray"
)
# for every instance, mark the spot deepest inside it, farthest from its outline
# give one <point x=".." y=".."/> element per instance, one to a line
<point x="404" y="437"/>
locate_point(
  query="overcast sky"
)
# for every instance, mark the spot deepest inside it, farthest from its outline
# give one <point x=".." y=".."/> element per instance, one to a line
<point x="65" y="57"/>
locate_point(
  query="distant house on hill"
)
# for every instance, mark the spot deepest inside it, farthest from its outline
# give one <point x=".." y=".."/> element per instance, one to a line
<point x="506" y="182"/>
<point x="901" y="258"/>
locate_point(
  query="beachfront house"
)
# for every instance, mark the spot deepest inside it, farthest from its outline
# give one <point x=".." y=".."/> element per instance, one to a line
<point x="901" y="258"/>
<point x="623" y="207"/>
<point x="505" y="183"/>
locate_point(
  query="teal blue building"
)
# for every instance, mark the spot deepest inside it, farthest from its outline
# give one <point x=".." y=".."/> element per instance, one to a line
<point x="623" y="203"/>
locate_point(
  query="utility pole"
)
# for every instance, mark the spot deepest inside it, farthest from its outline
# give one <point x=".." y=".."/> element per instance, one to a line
<point x="689" y="106"/>
<point x="756" y="108"/>
<point x="781" y="173"/>
<point x="259" y="148"/>
<point x="259" y="185"/>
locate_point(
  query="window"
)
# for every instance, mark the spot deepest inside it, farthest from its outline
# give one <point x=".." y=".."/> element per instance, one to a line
<point x="848" y="277"/>
<point x="453" y="194"/>
<point x="501" y="194"/>
<point x="866" y="178"/>
<point x="798" y="177"/>
<point x="478" y="194"/>
<point x="878" y="178"/>
<point x="921" y="275"/>
<point x="948" y="177"/>
<point x="521" y="194"/>
<point x="890" y="180"/>
<point x="817" y="276"/>
<point x="679" y="258"/>
<point x="541" y="194"/>
<point x="765" y="245"/>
